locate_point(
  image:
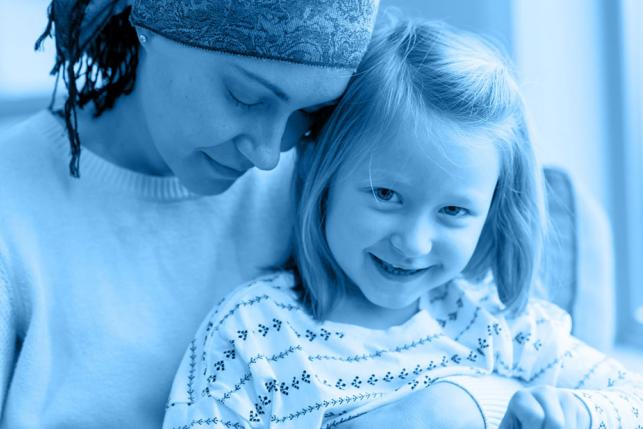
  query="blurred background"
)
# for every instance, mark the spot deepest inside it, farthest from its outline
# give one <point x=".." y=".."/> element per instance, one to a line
<point x="579" y="64"/>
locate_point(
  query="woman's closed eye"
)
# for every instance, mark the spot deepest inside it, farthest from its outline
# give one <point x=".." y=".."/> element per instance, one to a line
<point x="454" y="211"/>
<point x="243" y="101"/>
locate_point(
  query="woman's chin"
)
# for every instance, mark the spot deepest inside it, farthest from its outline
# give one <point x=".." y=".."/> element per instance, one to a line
<point x="207" y="187"/>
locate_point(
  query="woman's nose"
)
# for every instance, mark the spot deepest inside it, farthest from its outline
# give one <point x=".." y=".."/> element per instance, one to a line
<point x="263" y="147"/>
<point x="262" y="153"/>
<point x="414" y="239"/>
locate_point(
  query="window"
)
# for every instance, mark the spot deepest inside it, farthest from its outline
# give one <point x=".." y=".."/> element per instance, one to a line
<point x="25" y="83"/>
<point x="630" y="167"/>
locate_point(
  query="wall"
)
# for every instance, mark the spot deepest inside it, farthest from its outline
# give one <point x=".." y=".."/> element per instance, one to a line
<point x="493" y="18"/>
<point x="558" y="48"/>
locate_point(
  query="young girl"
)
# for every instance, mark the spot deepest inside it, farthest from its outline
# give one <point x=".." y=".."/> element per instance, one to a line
<point x="128" y="213"/>
<point x="419" y="227"/>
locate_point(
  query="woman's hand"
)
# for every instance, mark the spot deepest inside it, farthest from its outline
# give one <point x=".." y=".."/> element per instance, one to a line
<point x="545" y="407"/>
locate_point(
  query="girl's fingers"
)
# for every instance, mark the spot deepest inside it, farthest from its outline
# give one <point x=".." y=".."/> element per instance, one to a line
<point x="550" y="400"/>
<point x="576" y="412"/>
<point x="526" y="411"/>
<point x="545" y="408"/>
<point x="508" y="422"/>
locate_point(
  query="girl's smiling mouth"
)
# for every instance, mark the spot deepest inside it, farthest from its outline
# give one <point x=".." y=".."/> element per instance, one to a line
<point x="394" y="272"/>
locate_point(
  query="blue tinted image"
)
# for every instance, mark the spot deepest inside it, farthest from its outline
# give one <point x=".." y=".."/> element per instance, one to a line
<point x="311" y="214"/>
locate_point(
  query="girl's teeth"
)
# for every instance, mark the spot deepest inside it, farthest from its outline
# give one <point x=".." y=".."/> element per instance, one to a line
<point x="390" y="268"/>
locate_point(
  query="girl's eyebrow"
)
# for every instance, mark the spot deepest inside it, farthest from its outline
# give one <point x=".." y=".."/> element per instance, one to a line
<point x="382" y="174"/>
<point x="271" y="86"/>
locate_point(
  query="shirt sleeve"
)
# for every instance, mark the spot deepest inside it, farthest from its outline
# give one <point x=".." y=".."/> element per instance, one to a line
<point x="543" y="351"/>
<point x="8" y="337"/>
<point x="613" y="395"/>
<point x="213" y="385"/>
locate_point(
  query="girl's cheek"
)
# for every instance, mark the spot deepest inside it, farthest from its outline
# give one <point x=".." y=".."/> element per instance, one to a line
<point x="463" y="243"/>
<point x="375" y="225"/>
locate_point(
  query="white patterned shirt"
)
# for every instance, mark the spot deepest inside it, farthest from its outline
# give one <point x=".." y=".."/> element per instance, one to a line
<point x="260" y="359"/>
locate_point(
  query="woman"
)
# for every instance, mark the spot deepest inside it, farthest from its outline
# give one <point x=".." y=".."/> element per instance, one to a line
<point x="106" y="268"/>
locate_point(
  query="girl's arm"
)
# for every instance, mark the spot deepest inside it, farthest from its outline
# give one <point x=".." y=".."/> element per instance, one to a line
<point x="196" y="397"/>
<point x="442" y="405"/>
<point x="211" y="387"/>
<point x="613" y="395"/>
<point x="543" y="352"/>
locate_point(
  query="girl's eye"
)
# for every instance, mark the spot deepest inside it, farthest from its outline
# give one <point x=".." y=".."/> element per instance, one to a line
<point x="454" y="211"/>
<point x="384" y="194"/>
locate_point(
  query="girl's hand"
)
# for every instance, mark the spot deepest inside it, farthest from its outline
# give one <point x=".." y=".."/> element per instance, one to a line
<point x="545" y="407"/>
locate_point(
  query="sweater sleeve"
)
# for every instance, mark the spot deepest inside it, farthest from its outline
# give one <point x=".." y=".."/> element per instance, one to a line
<point x="613" y="395"/>
<point x="8" y="338"/>
<point x="541" y="350"/>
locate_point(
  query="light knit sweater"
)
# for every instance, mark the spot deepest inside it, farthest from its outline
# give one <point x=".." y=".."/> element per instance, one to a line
<point x="105" y="279"/>
<point x="260" y="360"/>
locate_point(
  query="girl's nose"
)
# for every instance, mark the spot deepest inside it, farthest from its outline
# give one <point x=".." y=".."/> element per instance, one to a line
<point x="413" y="241"/>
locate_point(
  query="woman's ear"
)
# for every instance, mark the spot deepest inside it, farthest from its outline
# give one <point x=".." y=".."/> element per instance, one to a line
<point x="143" y="35"/>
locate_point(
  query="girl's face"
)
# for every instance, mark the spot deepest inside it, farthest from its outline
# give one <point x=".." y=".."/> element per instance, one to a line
<point x="212" y="116"/>
<point x="408" y="217"/>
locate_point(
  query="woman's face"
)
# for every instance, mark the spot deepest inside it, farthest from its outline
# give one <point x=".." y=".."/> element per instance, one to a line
<point x="212" y="116"/>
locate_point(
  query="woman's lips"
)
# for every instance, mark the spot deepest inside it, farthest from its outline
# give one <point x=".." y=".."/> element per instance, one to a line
<point x="222" y="170"/>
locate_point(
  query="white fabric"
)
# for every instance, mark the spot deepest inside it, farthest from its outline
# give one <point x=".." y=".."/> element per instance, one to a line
<point x="491" y="393"/>
<point x="104" y="279"/>
<point x="260" y="360"/>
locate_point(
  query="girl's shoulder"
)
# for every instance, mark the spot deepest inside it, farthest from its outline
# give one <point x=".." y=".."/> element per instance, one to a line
<point x="273" y="292"/>
<point x="481" y="293"/>
<point x="484" y="294"/>
<point x="274" y="283"/>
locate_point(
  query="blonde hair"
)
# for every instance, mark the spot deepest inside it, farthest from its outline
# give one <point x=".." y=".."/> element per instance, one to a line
<point x="419" y="70"/>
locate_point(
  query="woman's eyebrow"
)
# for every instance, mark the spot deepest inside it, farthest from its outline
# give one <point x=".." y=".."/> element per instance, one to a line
<point x="271" y="86"/>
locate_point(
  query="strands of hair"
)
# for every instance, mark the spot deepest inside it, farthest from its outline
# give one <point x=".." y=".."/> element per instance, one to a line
<point x="106" y="63"/>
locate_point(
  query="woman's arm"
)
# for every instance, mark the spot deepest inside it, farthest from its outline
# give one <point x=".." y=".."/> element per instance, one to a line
<point x="442" y="405"/>
<point x="8" y="337"/>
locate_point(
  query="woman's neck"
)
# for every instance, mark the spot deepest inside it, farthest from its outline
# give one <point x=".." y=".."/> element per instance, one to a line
<point x="120" y="136"/>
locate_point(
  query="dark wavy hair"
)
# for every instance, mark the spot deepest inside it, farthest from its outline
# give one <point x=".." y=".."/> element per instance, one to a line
<point x="97" y="68"/>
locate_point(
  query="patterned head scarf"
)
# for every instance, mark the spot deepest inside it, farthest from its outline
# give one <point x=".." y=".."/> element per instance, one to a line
<point x="94" y="39"/>
<point x="330" y="33"/>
